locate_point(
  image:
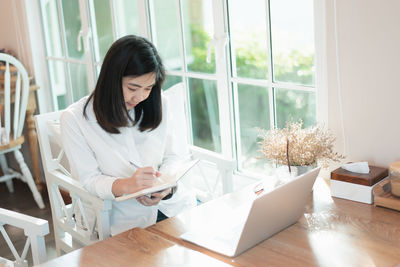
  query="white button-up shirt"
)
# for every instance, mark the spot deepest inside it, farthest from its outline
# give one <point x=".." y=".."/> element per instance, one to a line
<point x="97" y="158"/>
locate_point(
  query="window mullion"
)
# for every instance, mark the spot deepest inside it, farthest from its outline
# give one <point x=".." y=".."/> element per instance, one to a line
<point x="114" y="25"/>
<point x="181" y="34"/>
<point x="272" y="109"/>
<point x="144" y="18"/>
<point x="320" y="61"/>
<point x="238" y="139"/>
<point x="92" y="26"/>
<point x="293" y="86"/>
<point x="184" y="71"/>
<point x="152" y="23"/>
<point x="229" y="86"/>
<point x="89" y="53"/>
<point x="64" y="48"/>
<point x="69" y="60"/>
<point x="224" y="102"/>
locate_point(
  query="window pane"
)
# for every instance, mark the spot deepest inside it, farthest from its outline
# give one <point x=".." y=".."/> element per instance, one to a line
<point x="204" y="112"/>
<point x="126" y="17"/>
<point x="72" y="24"/>
<point x="293" y="41"/>
<point x="102" y="31"/>
<point x="198" y="26"/>
<point x="78" y="81"/>
<point x="248" y="32"/>
<point x="51" y="28"/>
<point x="253" y="113"/>
<point x="170" y="81"/>
<point x="166" y="29"/>
<point x="58" y="82"/>
<point x="294" y="105"/>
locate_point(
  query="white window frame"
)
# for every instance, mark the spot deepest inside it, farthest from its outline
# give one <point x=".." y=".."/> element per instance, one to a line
<point x="320" y="86"/>
<point x="223" y="77"/>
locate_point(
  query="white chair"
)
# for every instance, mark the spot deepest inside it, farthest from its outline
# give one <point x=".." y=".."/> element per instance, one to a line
<point x="214" y="169"/>
<point x="74" y="224"/>
<point x="12" y="123"/>
<point x="35" y="229"/>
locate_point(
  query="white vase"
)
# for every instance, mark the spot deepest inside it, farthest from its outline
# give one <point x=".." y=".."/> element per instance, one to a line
<point x="303" y="169"/>
<point x="283" y="175"/>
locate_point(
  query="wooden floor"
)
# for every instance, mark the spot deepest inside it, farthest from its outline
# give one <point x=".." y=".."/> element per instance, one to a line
<point x="22" y="201"/>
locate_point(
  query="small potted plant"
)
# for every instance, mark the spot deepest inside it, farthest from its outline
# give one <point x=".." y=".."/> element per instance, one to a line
<point x="298" y="146"/>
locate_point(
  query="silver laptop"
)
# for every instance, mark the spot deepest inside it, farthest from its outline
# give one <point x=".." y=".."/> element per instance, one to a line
<point x="239" y="228"/>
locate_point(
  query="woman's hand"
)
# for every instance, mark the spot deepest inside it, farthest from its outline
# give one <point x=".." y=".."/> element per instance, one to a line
<point x="154" y="199"/>
<point x="141" y="179"/>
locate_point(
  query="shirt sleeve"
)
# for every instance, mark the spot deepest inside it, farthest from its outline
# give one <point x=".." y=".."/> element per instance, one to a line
<point x="82" y="160"/>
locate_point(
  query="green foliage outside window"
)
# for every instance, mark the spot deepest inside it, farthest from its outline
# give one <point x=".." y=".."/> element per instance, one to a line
<point x="249" y="63"/>
<point x="198" y="51"/>
<point x="205" y="114"/>
<point x="295" y="67"/>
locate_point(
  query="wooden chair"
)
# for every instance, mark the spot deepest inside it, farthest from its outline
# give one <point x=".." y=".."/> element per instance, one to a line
<point x="12" y="123"/>
<point x="74" y="223"/>
<point x="35" y="229"/>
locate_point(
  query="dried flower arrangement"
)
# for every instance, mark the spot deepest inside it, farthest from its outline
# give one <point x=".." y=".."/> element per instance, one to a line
<point x="295" y="146"/>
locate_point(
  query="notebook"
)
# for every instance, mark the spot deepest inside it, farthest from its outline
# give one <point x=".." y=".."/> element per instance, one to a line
<point x="164" y="181"/>
<point x="237" y="229"/>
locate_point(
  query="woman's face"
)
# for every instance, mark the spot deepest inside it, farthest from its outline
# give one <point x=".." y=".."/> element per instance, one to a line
<point x="137" y="88"/>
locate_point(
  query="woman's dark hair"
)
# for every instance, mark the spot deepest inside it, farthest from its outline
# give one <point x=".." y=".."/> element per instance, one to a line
<point x="128" y="56"/>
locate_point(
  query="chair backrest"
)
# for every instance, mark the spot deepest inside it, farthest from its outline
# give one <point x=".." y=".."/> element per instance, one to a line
<point x="175" y="96"/>
<point x="13" y="75"/>
<point x="34" y="228"/>
<point x="53" y="156"/>
<point x="215" y="170"/>
<point x="85" y="219"/>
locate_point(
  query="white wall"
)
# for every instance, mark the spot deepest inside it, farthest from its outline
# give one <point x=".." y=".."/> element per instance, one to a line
<point x="14" y="35"/>
<point x="368" y="39"/>
<point x="13" y="31"/>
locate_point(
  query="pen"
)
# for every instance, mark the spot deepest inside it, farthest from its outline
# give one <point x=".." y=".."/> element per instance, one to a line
<point x="138" y="167"/>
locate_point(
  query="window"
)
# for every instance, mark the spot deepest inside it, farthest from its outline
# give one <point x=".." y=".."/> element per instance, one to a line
<point x="244" y="66"/>
<point x="183" y="37"/>
<point x="66" y="58"/>
<point x="272" y="55"/>
<point x="78" y="33"/>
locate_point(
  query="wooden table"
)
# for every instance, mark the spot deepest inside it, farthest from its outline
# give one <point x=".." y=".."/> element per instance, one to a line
<point x="332" y="232"/>
<point x="136" y="247"/>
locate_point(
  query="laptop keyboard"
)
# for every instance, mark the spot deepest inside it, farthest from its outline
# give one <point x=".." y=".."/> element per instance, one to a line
<point x="230" y="234"/>
<point x="222" y="233"/>
<point x="226" y="232"/>
<point x="224" y="243"/>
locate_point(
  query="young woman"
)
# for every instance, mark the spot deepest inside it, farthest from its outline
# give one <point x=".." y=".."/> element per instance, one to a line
<point x="119" y="139"/>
